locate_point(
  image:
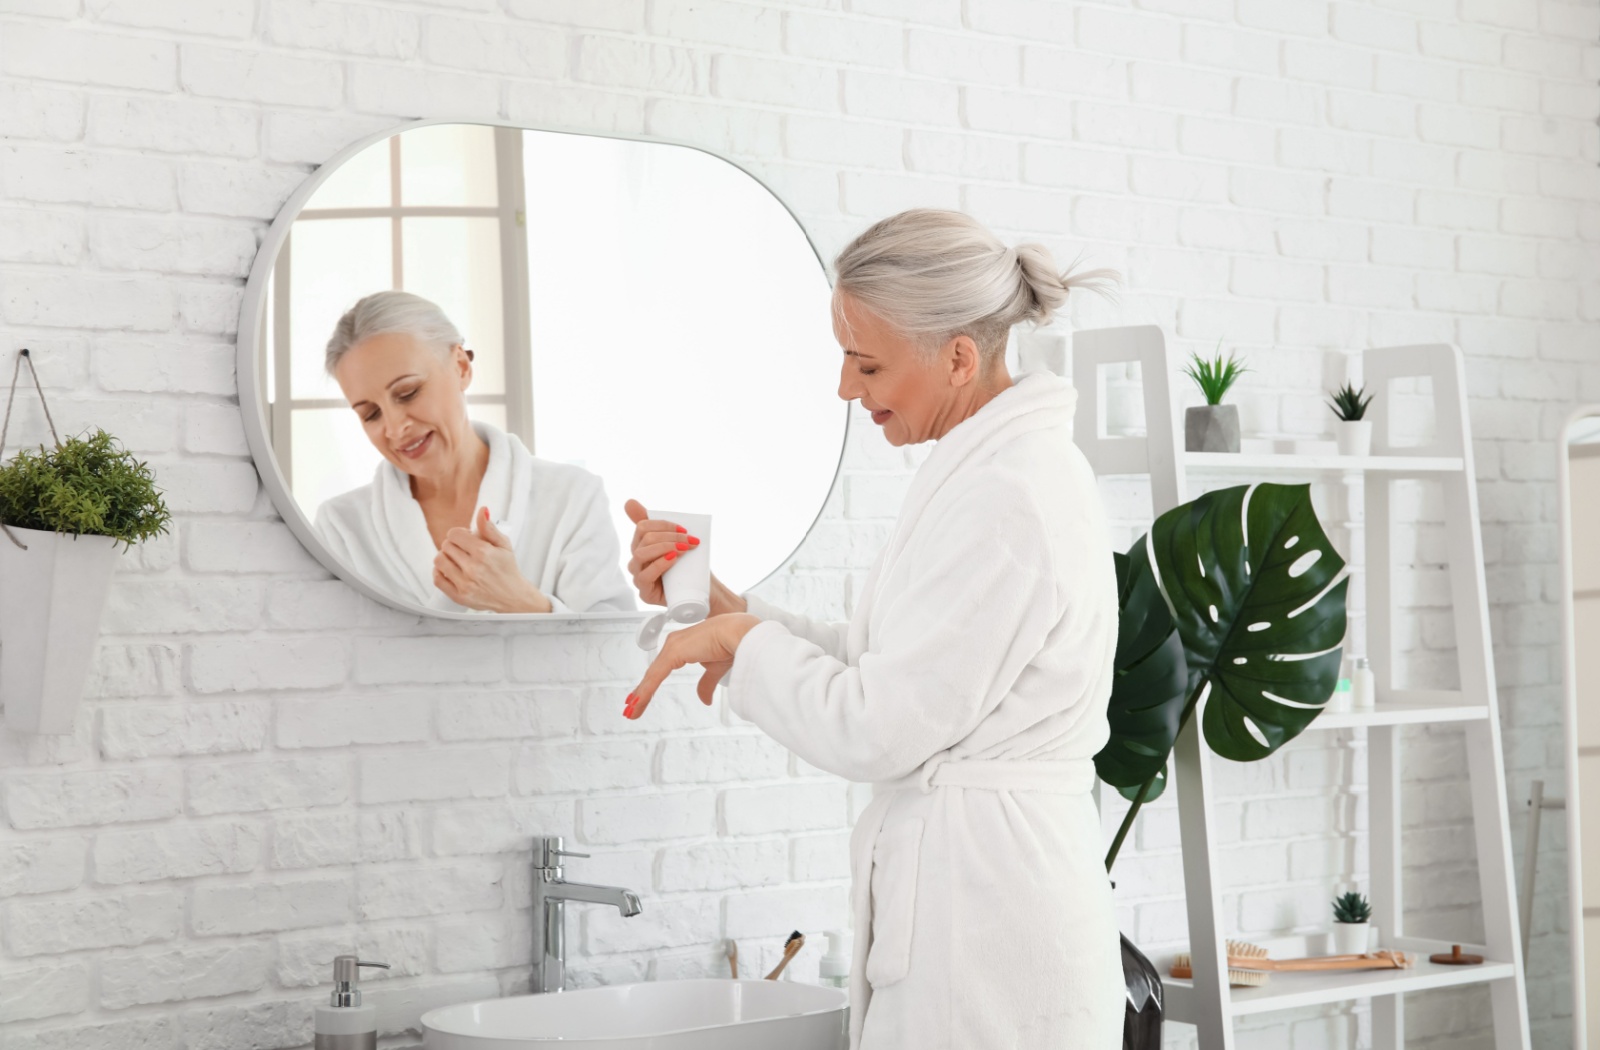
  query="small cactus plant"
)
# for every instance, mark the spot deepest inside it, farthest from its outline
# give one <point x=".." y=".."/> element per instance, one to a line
<point x="1351" y="907"/>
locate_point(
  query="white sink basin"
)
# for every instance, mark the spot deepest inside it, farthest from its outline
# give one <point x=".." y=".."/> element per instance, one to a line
<point x="662" y="1015"/>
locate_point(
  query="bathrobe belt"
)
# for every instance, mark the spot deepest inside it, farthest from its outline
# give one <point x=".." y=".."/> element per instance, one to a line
<point x="1073" y="777"/>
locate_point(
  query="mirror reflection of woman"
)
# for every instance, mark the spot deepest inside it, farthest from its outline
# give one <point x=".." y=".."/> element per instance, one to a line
<point x="460" y="515"/>
<point x="970" y="686"/>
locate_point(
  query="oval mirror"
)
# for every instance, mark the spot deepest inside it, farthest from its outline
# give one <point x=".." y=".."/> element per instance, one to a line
<point x="636" y="320"/>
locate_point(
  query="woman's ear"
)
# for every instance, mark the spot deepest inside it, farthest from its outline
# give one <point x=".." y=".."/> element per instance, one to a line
<point x="965" y="361"/>
<point x="461" y="360"/>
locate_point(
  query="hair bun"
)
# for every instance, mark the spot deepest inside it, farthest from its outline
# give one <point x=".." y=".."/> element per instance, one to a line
<point x="1049" y="286"/>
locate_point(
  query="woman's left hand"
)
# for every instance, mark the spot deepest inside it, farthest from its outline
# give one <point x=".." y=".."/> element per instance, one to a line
<point x="710" y="643"/>
<point x="478" y="569"/>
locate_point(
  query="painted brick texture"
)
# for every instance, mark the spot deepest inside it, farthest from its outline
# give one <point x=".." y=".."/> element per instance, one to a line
<point x="271" y="769"/>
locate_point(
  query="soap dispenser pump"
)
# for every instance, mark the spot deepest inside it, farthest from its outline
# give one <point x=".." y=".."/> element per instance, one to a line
<point x="344" y="1024"/>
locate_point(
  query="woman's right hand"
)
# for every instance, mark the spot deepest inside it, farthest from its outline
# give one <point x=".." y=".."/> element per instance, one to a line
<point x="656" y="545"/>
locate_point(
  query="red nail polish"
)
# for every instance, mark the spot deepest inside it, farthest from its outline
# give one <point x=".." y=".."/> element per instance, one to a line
<point x="694" y="541"/>
<point x="683" y="546"/>
<point x="670" y="555"/>
<point x="680" y="528"/>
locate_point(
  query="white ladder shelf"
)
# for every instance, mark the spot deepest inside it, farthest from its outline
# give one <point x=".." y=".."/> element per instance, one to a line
<point x="1206" y="1001"/>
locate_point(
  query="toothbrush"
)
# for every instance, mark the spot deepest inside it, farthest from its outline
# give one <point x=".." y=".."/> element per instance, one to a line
<point x="733" y="958"/>
<point x="791" y="948"/>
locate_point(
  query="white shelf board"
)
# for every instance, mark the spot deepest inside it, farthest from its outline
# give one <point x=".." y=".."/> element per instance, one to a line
<point x="1289" y="991"/>
<point x="1401" y="713"/>
<point x="1291" y="464"/>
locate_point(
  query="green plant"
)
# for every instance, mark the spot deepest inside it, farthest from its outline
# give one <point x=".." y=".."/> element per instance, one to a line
<point x="1349" y="404"/>
<point x="86" y="486"/>
<point x="1351" y="907"/>
<point x="1232" y="607"/>
<point x="1214" y="376"/>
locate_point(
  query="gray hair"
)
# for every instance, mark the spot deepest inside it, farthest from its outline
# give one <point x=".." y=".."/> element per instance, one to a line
<point x="935" y="274"/>
<point x="384" y="312"/>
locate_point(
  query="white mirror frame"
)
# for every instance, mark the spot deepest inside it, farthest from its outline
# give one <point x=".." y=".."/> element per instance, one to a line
<point x="1569" y="678"/>
<point x="255" y="423"/>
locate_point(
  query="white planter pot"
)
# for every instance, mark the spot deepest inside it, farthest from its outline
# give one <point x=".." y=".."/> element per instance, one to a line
<point x="1349" y="938"/>
<point x="51" y="598"/>
<point x="1355" y="437"/>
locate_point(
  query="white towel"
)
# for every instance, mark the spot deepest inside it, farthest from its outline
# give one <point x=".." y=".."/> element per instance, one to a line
<point x="555" y="516"/>
<point x="981" y="646"/>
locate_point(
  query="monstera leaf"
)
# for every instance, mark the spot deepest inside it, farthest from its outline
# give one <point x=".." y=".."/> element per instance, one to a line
<point x="1245" y="583"/>
<point x="1148" y="691"/>
<point x="1249" y="576"/>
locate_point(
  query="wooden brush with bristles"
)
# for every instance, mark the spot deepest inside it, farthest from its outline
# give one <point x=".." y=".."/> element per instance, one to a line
<point x="733" y="957"/>
<point x="1248" y="964"/>
<point x="791" y="948"/>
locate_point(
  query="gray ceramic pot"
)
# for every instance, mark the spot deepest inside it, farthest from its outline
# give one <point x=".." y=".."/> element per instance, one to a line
<point x="1211" y="428"/>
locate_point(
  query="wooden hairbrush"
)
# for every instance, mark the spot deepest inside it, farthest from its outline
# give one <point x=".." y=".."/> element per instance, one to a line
<point x="1250" y="961"/>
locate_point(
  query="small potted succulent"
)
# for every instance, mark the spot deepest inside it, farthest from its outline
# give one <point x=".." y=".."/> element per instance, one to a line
<point x="1354" y="430"/>
<point x="1213" y="426"/>
<point x="63" y="513"/>
<point x="1350" y="914"/>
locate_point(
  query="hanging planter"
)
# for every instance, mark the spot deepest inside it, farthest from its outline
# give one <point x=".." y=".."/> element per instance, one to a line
<point x="63" y="512"/>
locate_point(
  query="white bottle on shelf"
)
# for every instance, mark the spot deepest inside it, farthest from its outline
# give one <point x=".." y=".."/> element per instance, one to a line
<point x="1363" y="686"/>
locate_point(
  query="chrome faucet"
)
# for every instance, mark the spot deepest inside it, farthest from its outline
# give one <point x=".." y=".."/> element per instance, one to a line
<point x="550" y="895"/>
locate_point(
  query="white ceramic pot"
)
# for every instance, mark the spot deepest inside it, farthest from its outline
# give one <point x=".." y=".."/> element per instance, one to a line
<point x="1350" y="938"/>
<point x="51" y="598"/>
<point x="1355" y="437"/>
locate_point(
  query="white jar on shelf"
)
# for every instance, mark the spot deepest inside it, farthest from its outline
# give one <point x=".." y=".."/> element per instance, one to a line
<point x="1363" y="686"/>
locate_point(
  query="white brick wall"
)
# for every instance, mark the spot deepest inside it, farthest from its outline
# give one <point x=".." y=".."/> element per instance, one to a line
<point x="271" y="769"/>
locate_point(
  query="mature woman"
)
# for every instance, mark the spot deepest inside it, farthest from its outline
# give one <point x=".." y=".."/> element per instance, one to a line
<point x="970" y="687"/>
<point x="459" y="515"/>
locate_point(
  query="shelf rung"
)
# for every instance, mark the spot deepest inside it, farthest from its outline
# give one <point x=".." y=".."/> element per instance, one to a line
<point x="1292" y="464"/>
<point x="1400" y="713"/>
<point x="1288" y="991"/>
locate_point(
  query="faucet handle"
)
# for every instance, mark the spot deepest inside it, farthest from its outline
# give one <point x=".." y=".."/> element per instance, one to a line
<point x="547" y="852"/>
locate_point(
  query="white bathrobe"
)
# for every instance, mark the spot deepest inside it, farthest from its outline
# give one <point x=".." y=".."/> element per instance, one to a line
<point x="555" y="516"/>
<point x="970" y="688"/>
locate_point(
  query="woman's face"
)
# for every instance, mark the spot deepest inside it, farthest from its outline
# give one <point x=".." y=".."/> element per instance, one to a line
<point x="410" y="399"/>
<point x="914" y="399"/>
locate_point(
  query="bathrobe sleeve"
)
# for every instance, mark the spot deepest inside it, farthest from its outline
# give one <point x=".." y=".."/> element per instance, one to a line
<point x="963" y="609"/>
<point x="829" y="637"/>
<point x="588" y="564"/>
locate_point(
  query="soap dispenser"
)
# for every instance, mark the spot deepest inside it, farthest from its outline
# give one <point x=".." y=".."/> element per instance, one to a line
<point x="344" y="1024"/>
<point x="834" y="970"/>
